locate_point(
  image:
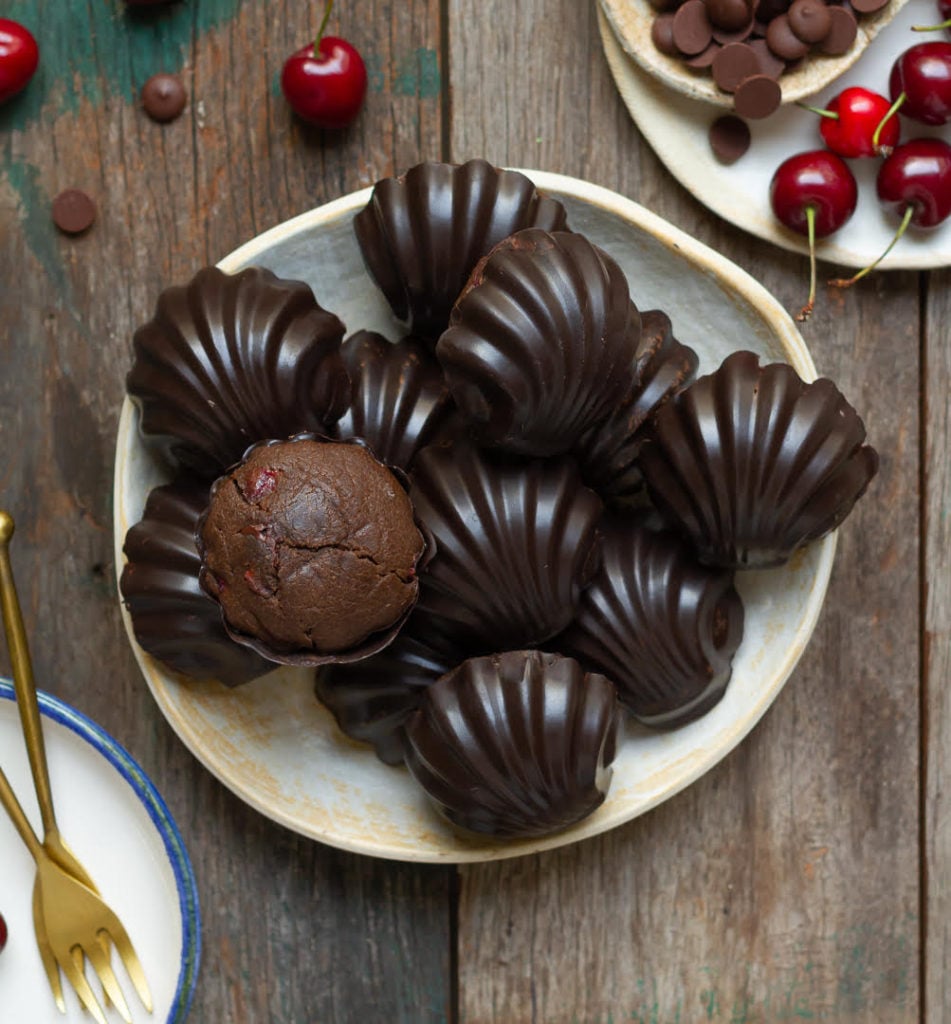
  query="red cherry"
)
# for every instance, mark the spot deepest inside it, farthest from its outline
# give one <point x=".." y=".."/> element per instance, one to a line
<point x="813" y="194"/>
<point x="921" y="82"/>
<point x="849" y="124"/>
<point x="325" y="81"/>
<point x="19" y="56"/>
<point x="3" y="933"/>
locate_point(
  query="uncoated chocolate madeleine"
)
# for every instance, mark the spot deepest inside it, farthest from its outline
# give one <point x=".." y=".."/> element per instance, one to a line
<point x="228" y="360"/>
<point x="514" y="545"/>
<point x="400" y="399"/>
<point x="422" y="233"/>
<point x="659" y="625"/>
<point x="752" y="463"/>
<point x="541" y="343"/>
<point x="515" y="744"/>
<point x="172" y="617"/>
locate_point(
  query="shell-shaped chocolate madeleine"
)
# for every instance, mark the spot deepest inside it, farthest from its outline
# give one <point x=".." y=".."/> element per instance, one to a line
<point x="228" y="360"/>
<point x="659" y="625"/>
<point x="751" y="463"/>
<point x="400" y="399"/>
<point x="514" y="544"/>
<point x="608" y="451"/>
<point x="422" y="233"/>
<point x="515" y="744"/>
<point x="172" y="617"/>
<point x="541" y="344"/>
<point x="372" y="699"/>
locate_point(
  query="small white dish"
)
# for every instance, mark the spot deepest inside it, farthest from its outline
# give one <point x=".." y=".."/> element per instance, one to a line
<point x="280" y="751"/>
<point x="677" y="129"/>
<point x="120" y="829"/>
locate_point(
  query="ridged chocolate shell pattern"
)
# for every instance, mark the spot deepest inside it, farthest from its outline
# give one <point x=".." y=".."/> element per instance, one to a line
<point x="608" y="451"/>
<point x="515" y="744"/>
<point x="228" y="360"/>
<point x="752" y="463"/>
<point x="372" y="699"/>
<point x="421" y="234"/>
<point x="400" y="400"/>
<point x="659" y="625"/>
<point x="172" y="617"/>
<point x="514" y="545"/>
<point x="541" y="345"/>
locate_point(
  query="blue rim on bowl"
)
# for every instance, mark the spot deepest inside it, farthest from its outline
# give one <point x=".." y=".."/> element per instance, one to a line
<point x="161" y="818"/>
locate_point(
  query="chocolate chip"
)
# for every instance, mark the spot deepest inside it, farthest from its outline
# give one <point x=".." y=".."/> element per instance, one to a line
<point x="868" y="6"/>
<point x="733" y="64"/>
<point x="723" y="37"/>
<point x="164" y="97"/>
<point x="73" y="211"/>
<point x="783" y="41"/>
<point x="729" y="138"/>
<point x="662" y="34"/>
<point x="728" y="14"/>
<point x="843" y="29"/>
<point x="757" y="97"/>
<point x="704" y="59"/>
<point x="692" y="29"/>
<point x="809" y="20"/>
<point x="769" y="63"/>
<point x="766" y="10"/>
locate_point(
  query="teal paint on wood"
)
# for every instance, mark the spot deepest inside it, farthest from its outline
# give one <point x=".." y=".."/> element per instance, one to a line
<point x="417" y="75"/>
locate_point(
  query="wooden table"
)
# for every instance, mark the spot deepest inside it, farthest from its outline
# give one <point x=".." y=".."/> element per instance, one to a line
<point x="807" y="877"/>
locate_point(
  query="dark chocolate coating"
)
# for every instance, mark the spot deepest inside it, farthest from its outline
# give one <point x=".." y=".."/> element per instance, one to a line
<point x="311" y="548"/>
<point x="421" y="234"/>
<point x="542" y="342"/>
<point x="608" y="452"/>
<point x="229" y="360"/>
<point x="659" y="625"/>
<point x="172" y="617"/>
<point x="372" y="699"/>
<point x="515" y="744"/>
<point x="400" y="400"/>
<point x="752" y="463"/>
<point x="514" y="545"/>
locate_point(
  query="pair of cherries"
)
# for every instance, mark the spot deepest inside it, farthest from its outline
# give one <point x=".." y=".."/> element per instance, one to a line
<point x="815" y="193"/>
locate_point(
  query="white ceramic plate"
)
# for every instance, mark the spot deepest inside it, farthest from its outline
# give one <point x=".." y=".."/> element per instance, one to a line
<point x="120" y="829"/>
<point x="271" y="742"/>
<point x="676" y="128"/>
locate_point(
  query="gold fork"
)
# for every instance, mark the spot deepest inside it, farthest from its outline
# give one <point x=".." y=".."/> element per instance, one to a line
<point x="55" y="858"/>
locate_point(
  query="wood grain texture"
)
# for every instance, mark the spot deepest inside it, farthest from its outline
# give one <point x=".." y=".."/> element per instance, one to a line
<point x="293" y="931"/>
<point x="937" y="651"/>
<point x="784" y="884"/>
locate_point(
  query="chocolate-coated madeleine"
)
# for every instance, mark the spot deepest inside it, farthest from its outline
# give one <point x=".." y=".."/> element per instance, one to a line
<point x="310" y="547"/>
<point x="422" y="233"/>
<point x="659" y="625"/>
<point x="229" y="360"/>
<point x="372" y="699"/>
<point x="515" y="744"/>
<point x="541" y="343"/>
<point x="172" y="617"/>
<point x="514" y="544"/>
<point x="751" y="463"/>
<point x="400" y="399"/>
<point x="608" y="451"/>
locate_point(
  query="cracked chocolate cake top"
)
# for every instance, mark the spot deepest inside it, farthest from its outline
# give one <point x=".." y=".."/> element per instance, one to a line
<point x="310" y="547"/>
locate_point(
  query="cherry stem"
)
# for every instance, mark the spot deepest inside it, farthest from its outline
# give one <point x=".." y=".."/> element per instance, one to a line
<point x="892" y="110"/>
<point x="806" y="310"/>
<point x="931" y="28"/>
<point x="905" y="221"/>
<point x="831" y="114"/>
<point x="323" y="25"/>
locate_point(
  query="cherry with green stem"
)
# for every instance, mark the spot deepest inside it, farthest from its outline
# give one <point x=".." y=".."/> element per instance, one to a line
<point x="858" y="123"/>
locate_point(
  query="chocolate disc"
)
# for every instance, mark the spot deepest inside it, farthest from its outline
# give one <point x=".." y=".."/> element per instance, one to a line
<point x="164" y="97"/>
<point x="809" y="20"/>
<point x="843" y="29"/>
<point x="769" y="63"/>
<point x="740" y="35"/>
<point x="729" y="138"/>
<point x="692" y="29"/>
<point x="868" y="6"/>
<point x="783" y="41"/>
<point x="733" y="65"/>
<point x="703" y="59"/>
<point x="73" y="211"/>
<point x="729" y="14"/>
<point x="757" y="97"/>
<point x="662" y="35"/>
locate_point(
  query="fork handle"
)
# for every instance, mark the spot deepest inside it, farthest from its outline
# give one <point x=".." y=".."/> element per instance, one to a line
<point x="12" y="806"/>
<point x="23" y="683"/>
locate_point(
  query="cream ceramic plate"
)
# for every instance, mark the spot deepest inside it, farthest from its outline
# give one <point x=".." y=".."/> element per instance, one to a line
<point x="632" y="21"/>
<point x="121" y="830"/>
<point x="280" y="751"/>
<point x="676" y="128"/>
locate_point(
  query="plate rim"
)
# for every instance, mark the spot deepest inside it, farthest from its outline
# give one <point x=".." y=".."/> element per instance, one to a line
<point x="132" y="773"/>
<point x="734" y="279"/>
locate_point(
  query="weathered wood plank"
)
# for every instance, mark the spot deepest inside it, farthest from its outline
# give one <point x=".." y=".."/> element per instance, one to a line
<point x="293" y="931"/>
<point x="937" y="651"/>
<point x="784" y="884"/>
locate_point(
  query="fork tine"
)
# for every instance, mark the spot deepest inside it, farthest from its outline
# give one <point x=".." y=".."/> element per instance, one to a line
<point x="46" y="953"/>
<point x="128" y="956"/>
<point x="98" y="954"/>
<point x="87" y="997"/>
